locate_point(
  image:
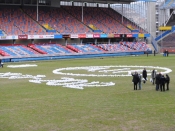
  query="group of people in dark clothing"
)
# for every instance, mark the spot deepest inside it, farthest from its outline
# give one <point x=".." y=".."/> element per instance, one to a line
<point x="159" y="79"/>
<point x="165" y="53"/>
<point x="136" y="79"/>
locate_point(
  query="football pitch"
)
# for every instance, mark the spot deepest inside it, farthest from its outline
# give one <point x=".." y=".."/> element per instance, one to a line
<point x="86" y="95"/>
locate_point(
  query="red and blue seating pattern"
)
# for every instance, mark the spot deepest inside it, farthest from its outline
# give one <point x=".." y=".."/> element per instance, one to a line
<point x="57" y="49"/>
<point x="15" y="22"/>
<point x="17" y="50"/>
<point x="116" y="47"/>
<point x="65" y="20"/>
<point x="87" y="48"/>
<point x="140" y="46"/>
<point x="118" y="17"/>
<point x="125" y="46"/>
<point x="50" y="49"/>
<point x="7" y="23"/>
<point x="59" y="20"/>
<point x="96" y="17"/>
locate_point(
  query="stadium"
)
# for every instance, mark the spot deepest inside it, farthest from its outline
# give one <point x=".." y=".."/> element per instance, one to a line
<point x="68" y="64"/>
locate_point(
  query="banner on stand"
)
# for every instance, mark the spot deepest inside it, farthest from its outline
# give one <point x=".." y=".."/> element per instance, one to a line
<point x="81" y="35"/>
<point x="89" y="35"/>
<point x="11" y="37"/>
<point x="96" y="35"/>
<point x="22" y="37"/>
<point x="74" y="36"/>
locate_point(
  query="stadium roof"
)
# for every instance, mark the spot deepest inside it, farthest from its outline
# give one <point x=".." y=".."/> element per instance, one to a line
<point x="47" y="2"/>
<point x="104" y="1"/>
<point x="109" y="1"/>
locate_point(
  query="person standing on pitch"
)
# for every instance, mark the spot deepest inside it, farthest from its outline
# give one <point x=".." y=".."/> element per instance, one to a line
<point x="147" y="53"/>
<point x="167" y="78"/>
<point x="158" y="81"/>
<point x="140" y="81"/>
<point x="154" y="53"/>
<point x="167" y="53"/>
<point x="153" y="76"/>
<point x="135" y="80"/>
<point x="162" y="83"/>
<point x="144" y="74"/>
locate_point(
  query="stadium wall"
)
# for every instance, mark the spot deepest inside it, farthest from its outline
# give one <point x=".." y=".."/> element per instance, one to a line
<point x="25" y="42"/>
<point x="6" y="41"/>
<point x="78" y="56"/>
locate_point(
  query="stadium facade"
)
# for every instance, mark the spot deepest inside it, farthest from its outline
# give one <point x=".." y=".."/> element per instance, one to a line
<point x="124" y="22"/>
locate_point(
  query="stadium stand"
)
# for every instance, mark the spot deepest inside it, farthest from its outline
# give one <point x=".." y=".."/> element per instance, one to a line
<point x="139" y="46"/>
<point x="55" y="49"/>
<point x="118" y="17"/>
<point x="115" y="47"/>
<point x="169" y="40"/>
<point x="58" y="19"/>
<point x="50" y="48"/>
<point x="73" y="49"/>
<point x="16" y="50"/>
<point x="134" y="15"/>
<point x="65" y="20"/>
<point x="101" y="20"/>
<point x="125" y="46"/>
<point x="13" y="21"/>
<point x="168" y="43"/>
<point x="86" y="48"/>
<point x="1" y="33"/>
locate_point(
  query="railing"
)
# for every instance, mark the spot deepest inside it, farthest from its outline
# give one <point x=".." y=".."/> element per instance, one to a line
<point x="162" y="35"/>
<point x="154" y="43"/>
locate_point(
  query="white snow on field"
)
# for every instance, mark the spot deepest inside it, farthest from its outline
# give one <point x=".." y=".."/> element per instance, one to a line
<point x="22" y="65"/>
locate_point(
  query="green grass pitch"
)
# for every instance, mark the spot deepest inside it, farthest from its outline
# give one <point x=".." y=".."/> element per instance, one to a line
<point x="26" y="106"/>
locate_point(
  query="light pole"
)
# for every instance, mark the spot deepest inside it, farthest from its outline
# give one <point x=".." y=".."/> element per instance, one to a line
<point x="37" y="11"/>
<point x="82" y="12"/>
<point x="161" y="41"/>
